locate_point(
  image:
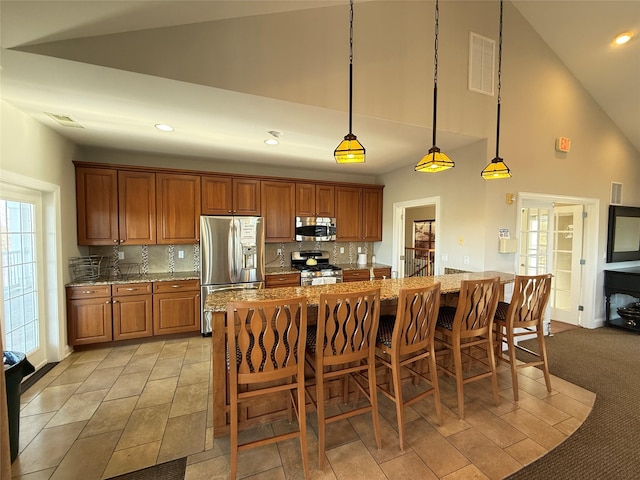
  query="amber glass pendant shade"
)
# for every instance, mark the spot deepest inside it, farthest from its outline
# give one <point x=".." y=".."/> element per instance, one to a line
<point x="496" y="169"/>
<point x="434" y="161"/>
<point x="350" y="150"/>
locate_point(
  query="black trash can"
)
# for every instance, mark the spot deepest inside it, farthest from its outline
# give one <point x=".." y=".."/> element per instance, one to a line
<point x="16" y="367"/>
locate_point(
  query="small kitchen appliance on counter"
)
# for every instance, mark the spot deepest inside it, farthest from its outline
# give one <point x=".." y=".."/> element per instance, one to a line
<point x="315" y="268"/>
<point x="231" y="257"/>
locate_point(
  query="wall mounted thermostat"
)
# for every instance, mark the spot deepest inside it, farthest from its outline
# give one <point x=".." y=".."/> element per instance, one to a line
<point x="563" y="144"/>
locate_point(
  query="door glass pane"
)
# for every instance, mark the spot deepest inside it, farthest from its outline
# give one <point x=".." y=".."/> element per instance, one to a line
<point x="17" y="237"/>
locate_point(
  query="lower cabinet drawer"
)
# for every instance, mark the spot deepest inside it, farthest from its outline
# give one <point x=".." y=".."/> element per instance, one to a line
<point x="282" y="280"/>
<point x="355" y="275"/>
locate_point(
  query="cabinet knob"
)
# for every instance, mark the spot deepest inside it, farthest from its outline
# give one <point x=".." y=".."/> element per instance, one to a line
<point x="108" y="301"/>
<point x="115" y="240"/>
<point x="121" y="241"/>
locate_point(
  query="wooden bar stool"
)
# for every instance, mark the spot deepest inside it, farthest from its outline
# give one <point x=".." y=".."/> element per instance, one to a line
<point x="406" y="339"/>
<point x="343" y="347"/>
<point x="268" y="338"/>
<point x="470" y="325"/>
<point x="524" y="315"/>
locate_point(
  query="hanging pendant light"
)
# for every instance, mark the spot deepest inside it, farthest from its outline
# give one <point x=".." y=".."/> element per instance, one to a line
<point x="435" y="160"/>
<point x="350" y="149"/>
<point x="497" y="168"/>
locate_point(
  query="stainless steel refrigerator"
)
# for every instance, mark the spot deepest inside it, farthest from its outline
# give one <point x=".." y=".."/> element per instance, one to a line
<point x="231" y="257"/>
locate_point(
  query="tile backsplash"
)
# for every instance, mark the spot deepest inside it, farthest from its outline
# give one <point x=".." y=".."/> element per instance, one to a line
<point x="186" y="258"/>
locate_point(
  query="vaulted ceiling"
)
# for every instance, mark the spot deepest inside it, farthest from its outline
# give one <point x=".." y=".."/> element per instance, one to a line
<point x="579" y="32"/>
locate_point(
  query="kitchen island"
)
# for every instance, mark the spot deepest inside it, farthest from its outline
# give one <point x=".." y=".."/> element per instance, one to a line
<point x="216" y="303"/>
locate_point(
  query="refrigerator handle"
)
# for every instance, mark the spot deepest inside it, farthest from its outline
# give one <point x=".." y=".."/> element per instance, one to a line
<point x="232" y="250"/>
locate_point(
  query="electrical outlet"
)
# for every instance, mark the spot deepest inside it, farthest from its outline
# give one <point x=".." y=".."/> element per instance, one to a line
<point x="180" y="253"/>
<point x="120" y="255"/>
<point x="279" y="251"/>
<point x="341" y="249"/>
<point x="359" y="249"/>
<point x="466" y="260"/>
<point x="445" y="257"/>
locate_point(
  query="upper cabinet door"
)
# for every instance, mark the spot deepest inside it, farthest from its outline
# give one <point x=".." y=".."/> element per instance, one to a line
<point x="372" y="214"/>
<point x="217" y="195"/>
<point x="305" y="200"/>
<point x="349" y="214"/>
<point x="178" y="201"/>
<point x="325" y="201"/>
<point x="246" y="197"/>
<point x="97" y="206"/>
<point x="278" y="200"/>
<point x="137" y="208"/>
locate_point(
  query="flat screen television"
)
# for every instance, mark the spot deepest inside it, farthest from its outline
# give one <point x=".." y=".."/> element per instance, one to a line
<point x="623" y="241"/>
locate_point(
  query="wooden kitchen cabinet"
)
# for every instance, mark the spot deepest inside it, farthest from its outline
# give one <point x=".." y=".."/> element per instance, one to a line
<point x="132" y="310"/>
<point x="358" y="275"/>
<point x="115" y="207"/>
<point x="315" y="200"/>
<point x="89" y="313"/>
<point x="176" y="307"/>
<point x="381" y="273"/>
<point x="178" y="207"/>
<point x="359" y="214"/>
<point x="223" y="195"/>
<point x="278" y="210"/>
<point x="282" y="280"/>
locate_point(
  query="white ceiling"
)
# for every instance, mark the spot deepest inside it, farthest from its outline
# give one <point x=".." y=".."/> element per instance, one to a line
<point x="579" y="31"/>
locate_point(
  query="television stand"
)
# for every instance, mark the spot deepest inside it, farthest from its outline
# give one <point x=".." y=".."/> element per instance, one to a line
<point x="624" y="281"/>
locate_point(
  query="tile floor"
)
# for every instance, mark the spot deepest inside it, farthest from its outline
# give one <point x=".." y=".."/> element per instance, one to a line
<point x="104" y="412"/>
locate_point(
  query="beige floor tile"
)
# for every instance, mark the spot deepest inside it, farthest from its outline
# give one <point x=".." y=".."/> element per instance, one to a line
<point x="87" y="458"/>
<point x="526" y="451"/>
<point x="128" y="385"/>
<point x="213" y="469"/>
<point x="111" y="416"/>
<point x="406" y="466"/>
<point x="174" y="349"/>
<point x="131" y="459"/>
<point x="145" y="425"/>
<point x="534" y="387"/>
<point x="35" y="390"/>
<point x="95" y="355"/>
<point x="78" y="372"/>
<point x="569" y="426"/>
<point x="542" y="409"/>
<point x="387" y="409"/>
<point x="41" y="475"/>
<point x="50" y="399"/>
<point x="47" y="449"/>
<point x="194" y="373"/>
<point x="536" y="429"/>
<point x="531" y="372"/>
<point x="493" y="427"/>
<point x="484" y="454"/>
<point x="184" y="435"/>
<point x="150" y="347"/>
<point x="574" y="391"/>
<point x="363" y="425"/>
<point x="116" y="358"/>
<point x="570" y="406"/>
<point x="100" y="379"/>
<point x="291" y="456"/>
<point x="470" y="472"/>
<point x="435" y="451"/>
<point x="141" y="363"/>
<point x="80" y="406"/>
<point x="170" y="367"/>
<point x="256" y="460"/>
<point x="198" y="353"/>
<point x="273" y="474"/>
<point x="157" y="392"/>
<point x="451" y="422"/>
<point x="63" y="365"/>
<point x="190" y="399"/>
<point x="352" y="461"/>
<point x="30" y="427"/>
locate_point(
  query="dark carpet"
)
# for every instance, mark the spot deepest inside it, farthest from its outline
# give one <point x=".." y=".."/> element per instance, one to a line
<point x="607" y="445"/>
<point x="173" y="470"/>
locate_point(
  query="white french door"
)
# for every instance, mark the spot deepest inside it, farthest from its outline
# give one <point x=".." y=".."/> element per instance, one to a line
<point x="21" y="262"/>
<point x="567" y="252"/>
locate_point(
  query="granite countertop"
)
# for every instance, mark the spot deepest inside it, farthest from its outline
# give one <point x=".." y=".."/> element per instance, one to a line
<point x="343" y="266"/>
<point x="137" y="278"/>
<point x="389" y="288"/>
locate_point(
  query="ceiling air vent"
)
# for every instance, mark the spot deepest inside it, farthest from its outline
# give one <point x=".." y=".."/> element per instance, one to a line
<point x="65" y="120"/>
<point x="616" y="193"/>
<point x="481" y="63"/>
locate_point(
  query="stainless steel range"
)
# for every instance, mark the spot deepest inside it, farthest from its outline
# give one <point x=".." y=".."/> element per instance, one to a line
<point x="315" y="268"/>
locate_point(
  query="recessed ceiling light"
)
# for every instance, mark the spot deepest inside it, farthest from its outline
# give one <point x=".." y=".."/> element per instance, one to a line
<point x="623" y="38"/>
<point x="164" y="127"/>
<point x="275" y="134"/>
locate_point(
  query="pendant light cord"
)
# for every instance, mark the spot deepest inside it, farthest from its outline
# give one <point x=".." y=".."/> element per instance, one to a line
<point x="350" y="66"/>
<point x="435" y="73"/>
<point x="499" y="83"/>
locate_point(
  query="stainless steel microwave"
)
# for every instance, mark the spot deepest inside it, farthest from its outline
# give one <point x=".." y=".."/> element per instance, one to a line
<point x="315" y="229"/>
